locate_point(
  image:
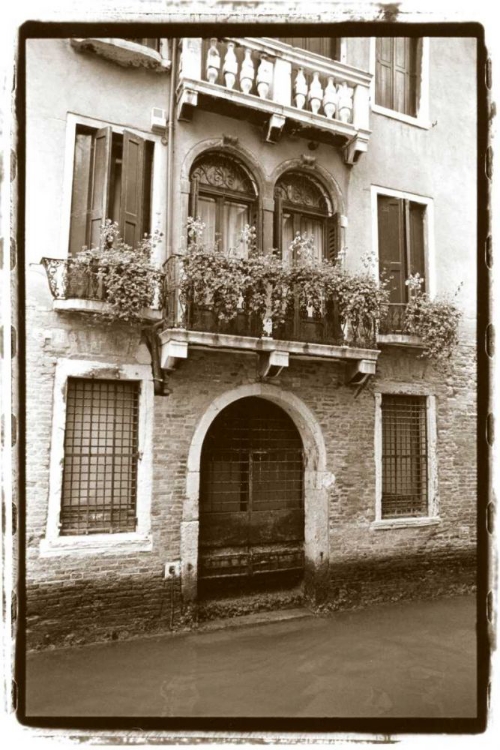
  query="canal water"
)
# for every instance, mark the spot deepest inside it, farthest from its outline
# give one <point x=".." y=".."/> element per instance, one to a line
<point x="409" y="659"/>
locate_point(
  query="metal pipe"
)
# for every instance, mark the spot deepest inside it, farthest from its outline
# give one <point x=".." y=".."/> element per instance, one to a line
<point x="170" y="146"/>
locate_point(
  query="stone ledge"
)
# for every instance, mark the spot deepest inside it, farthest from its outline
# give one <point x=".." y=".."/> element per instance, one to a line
<point x="96" y="544"/>
<point x="400" y="339"/>
<point x="96" y="307"/>
<point x="404" y="523"/>
<point x="123" y="52"/>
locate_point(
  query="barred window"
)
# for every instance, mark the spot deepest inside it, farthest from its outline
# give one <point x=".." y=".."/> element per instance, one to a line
<point x="404" y="457"/>
<point x="100" y="457"/>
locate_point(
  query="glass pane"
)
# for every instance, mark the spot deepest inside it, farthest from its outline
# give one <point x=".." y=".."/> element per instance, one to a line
<point x="206" y="211"/>
<point x="313" y="228"/>
<point x="287" y="236"/>
<point x="235" y="216"/>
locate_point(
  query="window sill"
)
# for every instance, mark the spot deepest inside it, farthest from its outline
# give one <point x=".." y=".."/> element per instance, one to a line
<point x="124" y="52"/>
<point x="95" y="306"/>
<point x="404" y="523"/>
<point x="392" y="113"/>
<point x="93" y="544"/>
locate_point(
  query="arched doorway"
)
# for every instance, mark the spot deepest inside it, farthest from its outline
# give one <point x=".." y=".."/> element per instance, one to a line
<point x="251" y="534"/>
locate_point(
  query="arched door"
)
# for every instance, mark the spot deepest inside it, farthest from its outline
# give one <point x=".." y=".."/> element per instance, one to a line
<point x="251" y="498"/>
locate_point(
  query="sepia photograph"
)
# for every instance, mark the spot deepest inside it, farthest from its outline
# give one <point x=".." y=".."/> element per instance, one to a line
<point x="253" y="481"/>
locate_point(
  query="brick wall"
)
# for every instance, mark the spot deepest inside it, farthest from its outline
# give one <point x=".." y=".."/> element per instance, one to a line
<point x="79" y="598"/>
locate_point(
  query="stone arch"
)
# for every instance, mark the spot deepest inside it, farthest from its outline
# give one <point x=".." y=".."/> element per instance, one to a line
<point x="316" y="482"/>
<point x="328" y="182"/>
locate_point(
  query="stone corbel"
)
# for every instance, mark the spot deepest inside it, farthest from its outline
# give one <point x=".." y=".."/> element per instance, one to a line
<point x="272" y="363"/>
<point x="275" y="128"/>
<point x="187" y="101"/>
<point x="358" y="372"/>
<point x="172" y="352"/>
<point x="353" y="149"/>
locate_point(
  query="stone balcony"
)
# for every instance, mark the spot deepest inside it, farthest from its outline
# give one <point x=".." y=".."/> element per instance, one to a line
<point x="302" y="335"/>
<point x="281" y="88"/>
<point x="76" y="290"/>
<point x="393" y="328"/>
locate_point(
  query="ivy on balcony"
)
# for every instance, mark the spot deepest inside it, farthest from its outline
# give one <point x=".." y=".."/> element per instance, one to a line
<point x="250" y="293"/>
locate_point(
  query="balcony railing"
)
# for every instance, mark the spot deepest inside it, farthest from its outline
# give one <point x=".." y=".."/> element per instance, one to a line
<point x="393" y="318"/>
<point x="301" y="325"/>
<point x="282" y="87"/>
<point x="68" y="280"/>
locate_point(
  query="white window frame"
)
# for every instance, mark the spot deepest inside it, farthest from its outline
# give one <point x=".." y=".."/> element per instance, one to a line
<point x="429" y="251"/>
<point x="55" y="544"/>
<point x="158" y="197"/>
<point x="422" y="120"/>
<point x="432" y="517"/>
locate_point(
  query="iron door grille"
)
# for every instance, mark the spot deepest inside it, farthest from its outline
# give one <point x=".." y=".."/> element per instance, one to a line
<point x="404" y="456"/>
<point x="100" y="457"/>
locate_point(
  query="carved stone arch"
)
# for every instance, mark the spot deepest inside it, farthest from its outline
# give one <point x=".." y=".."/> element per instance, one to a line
<point x="317" y="173"/>
<point x="317" y="480"/>
<point x="240" y="153"/>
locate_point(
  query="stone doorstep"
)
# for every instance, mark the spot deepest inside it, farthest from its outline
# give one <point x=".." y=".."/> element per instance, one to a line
<point x="257" y="618"/>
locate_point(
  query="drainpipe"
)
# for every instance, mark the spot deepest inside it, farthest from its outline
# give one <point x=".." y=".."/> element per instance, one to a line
<point x="170" y="145"/>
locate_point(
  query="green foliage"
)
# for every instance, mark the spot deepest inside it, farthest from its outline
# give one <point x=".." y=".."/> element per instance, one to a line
<point x="268" y="288"/>
<point x="434" y="321"/>
<point x="120" y="275"/>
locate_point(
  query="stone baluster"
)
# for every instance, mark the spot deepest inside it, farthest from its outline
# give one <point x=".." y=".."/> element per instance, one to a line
<point x="264" y="76"/>
<point x="300" y="89"/>
<point x="344" y="102"/>
<point x="190" y="59"/>
<point x="230" y="68"/>
<point x="330" y="98"/>
<point x="247" y="72"/>
<point x="315" y="95"/>
<point x="213" y="62"/>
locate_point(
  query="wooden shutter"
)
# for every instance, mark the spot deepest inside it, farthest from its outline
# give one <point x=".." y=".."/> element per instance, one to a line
<point x="326" y="46"/>
<point x="416" y="214"/>
<point x="383" y="71"/>
<point x="82" y="168"/>
<point x="193" y="198"/>
<point x="332" y="241"/>
<point x="277" y="229"/>
<point x="132" y="188"/>
<point x="391" y="245"/>
<point x="404" y="57"/>
<point x="99" y="193"/>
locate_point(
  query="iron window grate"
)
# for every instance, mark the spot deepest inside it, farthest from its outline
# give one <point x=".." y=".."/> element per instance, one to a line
<point x="404" y="457"/>
<point x="100" y="457"/>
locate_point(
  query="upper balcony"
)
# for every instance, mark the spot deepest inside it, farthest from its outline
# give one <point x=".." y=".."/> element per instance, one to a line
<point x="279" y="87"/>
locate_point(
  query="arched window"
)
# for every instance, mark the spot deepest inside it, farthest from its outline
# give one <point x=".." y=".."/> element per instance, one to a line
<point x="302" y="206"/>
<point x="224" y="197"/>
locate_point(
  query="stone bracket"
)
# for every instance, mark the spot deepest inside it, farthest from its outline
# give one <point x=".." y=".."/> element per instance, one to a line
<point x="186" y="103"/>
<point x="353" y="149"/>
<point x="360" y="371"/>
<point x="272" y="363"/>
<point x="171" y="354"/>
<point x="275" y="128"/>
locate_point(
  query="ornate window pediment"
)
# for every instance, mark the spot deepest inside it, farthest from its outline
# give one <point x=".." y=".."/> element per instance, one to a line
<point x="223" y="173"/>
<point x="299" y="190"/>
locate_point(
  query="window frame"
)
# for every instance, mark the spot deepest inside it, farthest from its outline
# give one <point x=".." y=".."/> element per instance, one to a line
<point x="422" y="118"/>
<point x="428" y="231"/>
<point x="222" y="195"/>
<point x="432" y="517"/>
<point x="56" y="544"/>
<point x="158" y="188"/>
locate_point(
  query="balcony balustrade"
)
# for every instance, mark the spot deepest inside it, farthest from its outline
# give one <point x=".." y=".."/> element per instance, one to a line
<point x="392" y="328"/>
<point x="77" y="289"/>
<point x="287" y="90"/>
<point x="303" y="334"/>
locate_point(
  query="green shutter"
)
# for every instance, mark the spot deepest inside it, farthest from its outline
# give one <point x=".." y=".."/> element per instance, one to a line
<point x="332" y="238"/>
<point x="384" y="72"/>
<point x="193" y="198"/>
<point x="417" y="247"/>
<point x="132" y="188"/>
<point x="277" y="228"/>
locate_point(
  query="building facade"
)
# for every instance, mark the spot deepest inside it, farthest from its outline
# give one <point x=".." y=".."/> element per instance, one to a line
<point x="187" y="466"/>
